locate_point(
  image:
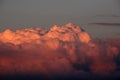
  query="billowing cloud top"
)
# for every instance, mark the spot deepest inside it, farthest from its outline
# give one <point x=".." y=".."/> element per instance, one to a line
<point x="66" y="33"/>
<point x="65" y="52"/>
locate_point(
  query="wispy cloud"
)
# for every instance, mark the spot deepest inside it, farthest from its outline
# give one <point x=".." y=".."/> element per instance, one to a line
<point x="105" y="24"/>
<point x="107" y="16"/>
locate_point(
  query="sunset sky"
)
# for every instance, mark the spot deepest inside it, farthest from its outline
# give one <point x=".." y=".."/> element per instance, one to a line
<point x="17" y="14"/>
<point x="60" y="39"/>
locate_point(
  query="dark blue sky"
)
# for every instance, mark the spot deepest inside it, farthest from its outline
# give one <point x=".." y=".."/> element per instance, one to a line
<point x="28" y="13"/>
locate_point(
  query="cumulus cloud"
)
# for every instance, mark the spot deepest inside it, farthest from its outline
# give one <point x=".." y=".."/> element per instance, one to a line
<point x="63" y="52"/>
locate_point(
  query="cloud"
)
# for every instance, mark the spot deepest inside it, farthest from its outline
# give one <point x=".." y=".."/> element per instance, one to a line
<point x="106" y="24"/>
<point x="68" y="32"/>
<point x="101" y="59"/>
<point x="57" y="58"/>
<point x="107" y="16"/>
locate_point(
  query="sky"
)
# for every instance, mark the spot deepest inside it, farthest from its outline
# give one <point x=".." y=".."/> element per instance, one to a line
<point x="17" y="14"/>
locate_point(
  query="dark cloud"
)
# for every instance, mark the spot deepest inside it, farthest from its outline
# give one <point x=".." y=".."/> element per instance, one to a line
<point x="98" y="58"/>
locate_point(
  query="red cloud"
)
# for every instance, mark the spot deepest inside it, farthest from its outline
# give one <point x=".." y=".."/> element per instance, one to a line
<point x="65" y="51"/>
